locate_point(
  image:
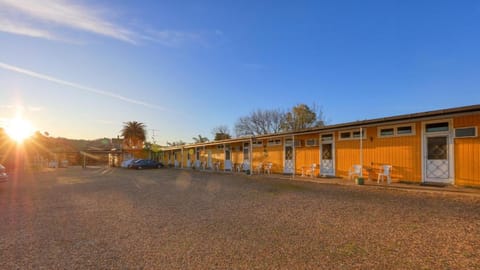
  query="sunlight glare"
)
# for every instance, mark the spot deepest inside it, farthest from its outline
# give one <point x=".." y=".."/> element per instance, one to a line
<point x="19" y="129"/>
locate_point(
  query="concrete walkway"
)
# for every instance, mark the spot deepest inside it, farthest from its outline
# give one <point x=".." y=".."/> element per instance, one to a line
<point x="416" y="187"/>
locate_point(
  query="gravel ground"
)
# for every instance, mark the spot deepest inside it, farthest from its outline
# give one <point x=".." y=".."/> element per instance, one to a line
<point x="173" y="219"/>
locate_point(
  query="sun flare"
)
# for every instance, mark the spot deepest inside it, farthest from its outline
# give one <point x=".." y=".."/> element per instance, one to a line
<point x="19" y="129"/>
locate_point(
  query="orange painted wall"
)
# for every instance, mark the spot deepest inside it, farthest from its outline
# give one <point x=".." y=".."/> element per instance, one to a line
<point x="268" y="153"/>
<point x="218" y="155"/>
<point x="169" y="157"/>
<point x="305" y="156"/>
<point x="467" y="153"/>
<point x="404" y="153"/>
<point x="203" y="156"/>
<point x="274" y="154"/>
<point x="186" y="152"/>
<point x="258" y="155"/>
<point x="236" y="152"/>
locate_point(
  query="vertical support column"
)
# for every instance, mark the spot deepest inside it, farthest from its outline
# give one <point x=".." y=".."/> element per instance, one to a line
<point x="293" y="157"/>
<point x="361" y="152"/>
<point x="181" y="161"/>
<point x="250" y="149"/>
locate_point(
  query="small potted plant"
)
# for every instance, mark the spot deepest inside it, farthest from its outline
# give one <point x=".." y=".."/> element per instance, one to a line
<point x="359" y="180"/>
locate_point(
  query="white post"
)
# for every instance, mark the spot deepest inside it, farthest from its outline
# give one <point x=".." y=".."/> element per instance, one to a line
<point x="181" y="161"/>
<point x="293" y="157"/>
<point x="250" y="150"/>
<point x="361" y="152"/>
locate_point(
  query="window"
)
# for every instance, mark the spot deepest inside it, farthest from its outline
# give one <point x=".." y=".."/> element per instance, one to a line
<point x="298" y="143"/>
<point x="345" y="135"/>
<point x="401" y="130"/>
<point x="356" y="134"/>
<point x="288" y="142"/>
<point x="404" y="130"/>
<point x="466" y="132"/>
<point x="327" y="137"/>
<point x="274" y="142"/>
<point x="257" y="143"/>
<point x="436" y="127"/>
<point x="386" y="132"/>
<point x="311" y="142"/>
<point x="352" y="135"/>
<point x="220" y="146"/>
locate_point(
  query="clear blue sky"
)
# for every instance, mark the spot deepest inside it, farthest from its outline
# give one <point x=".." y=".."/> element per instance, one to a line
<point x="78" y="69"/>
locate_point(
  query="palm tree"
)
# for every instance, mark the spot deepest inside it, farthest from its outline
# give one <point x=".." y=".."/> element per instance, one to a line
<point x="134" y="134"/>
<point x="200" y="139"/>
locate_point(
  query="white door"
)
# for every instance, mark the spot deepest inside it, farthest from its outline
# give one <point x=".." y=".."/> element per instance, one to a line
<point x="175" y="162"/>
<point x="326" y="161"/>
<point x="437" y="163"/>
<point x="438" y="153"/>
<point x="246" y="156"/>
<point x="288" y="157"/>
<point x="189" y="162"/>
<point x="209" y="159"/>
<point x="228" y="162"/>
<point x="197" y="158"/>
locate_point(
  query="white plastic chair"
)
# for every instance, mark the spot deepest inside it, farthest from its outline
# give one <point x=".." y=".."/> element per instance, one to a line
<point x="268" y="168"/>
<point x="259" y="167"/>
<point x="311" y="170"/>
<point x="356" y="170"/>
<point x="238" y="167"/>
<point x="387" y="170"/>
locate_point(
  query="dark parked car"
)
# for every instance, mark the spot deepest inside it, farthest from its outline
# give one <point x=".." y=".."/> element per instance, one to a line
<point x="145" y="164"/>
<point x="3" y="174"/>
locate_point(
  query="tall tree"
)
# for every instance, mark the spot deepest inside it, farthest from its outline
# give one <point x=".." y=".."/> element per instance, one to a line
<point x="260" y="122"/>
<point x="134" y="133"/>
<point x="200" y="139"/>
<point x="221" y="133"/>
<point x="302" y="116"/>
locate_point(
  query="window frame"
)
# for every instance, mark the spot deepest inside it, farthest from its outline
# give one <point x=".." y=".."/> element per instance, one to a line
<point x="351" y="136"/>
<point x="314" y="140"/>
<point x="330" y="137"/>
<point x="449" y="127"/>
<point x="298" y="143"/>
<point x="274" y="142"/>
<point x="395" y="130"/>
<point x="475" y="128"/>
<point x="256" y="144"/>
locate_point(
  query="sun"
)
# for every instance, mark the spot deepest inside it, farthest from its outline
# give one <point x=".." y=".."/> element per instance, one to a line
<point x="19" y="129"/>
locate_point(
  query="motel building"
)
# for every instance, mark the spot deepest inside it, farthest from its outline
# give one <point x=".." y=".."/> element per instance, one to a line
<point x="435" y="147"/>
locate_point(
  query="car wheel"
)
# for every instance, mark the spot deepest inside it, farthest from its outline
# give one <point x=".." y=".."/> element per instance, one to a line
<point x="139" y="168"/>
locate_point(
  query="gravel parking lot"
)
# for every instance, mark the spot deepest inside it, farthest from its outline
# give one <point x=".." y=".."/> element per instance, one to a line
<point x="168" y="219"/>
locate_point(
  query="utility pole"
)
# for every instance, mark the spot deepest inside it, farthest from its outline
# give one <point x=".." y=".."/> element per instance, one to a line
<point x="153" y="135"/>
<point x="154" y="142"/>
